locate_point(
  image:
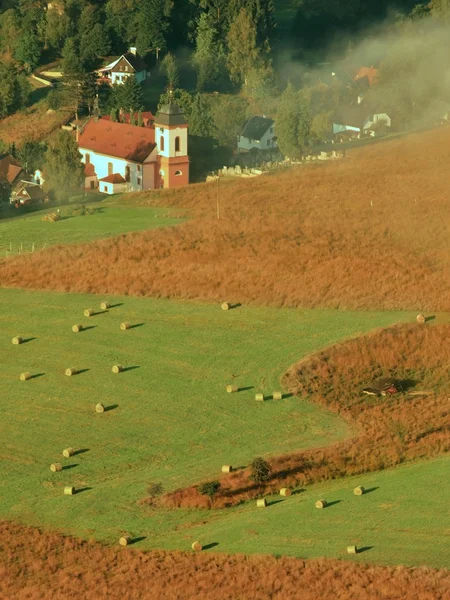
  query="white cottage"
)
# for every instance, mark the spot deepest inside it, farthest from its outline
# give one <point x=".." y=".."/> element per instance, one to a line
<point x="120" y="69"/>
<point x="258" y="132"/>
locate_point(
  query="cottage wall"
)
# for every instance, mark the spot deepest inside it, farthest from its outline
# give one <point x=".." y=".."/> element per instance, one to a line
<point x="100" y="163"/>
<point x="265" y="143"/>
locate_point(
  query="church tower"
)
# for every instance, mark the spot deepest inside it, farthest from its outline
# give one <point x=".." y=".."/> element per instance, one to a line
<point x="171" y="136"/>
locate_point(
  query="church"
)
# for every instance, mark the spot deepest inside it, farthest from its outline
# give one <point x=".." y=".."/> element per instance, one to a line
<point x="122" y="157"/>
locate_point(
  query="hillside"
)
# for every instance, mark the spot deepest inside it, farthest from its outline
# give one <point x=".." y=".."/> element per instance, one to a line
<point x="367" y="232"/>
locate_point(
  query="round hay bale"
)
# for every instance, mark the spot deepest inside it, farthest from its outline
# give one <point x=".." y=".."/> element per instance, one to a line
<point x="359" y="491"/>
<point x="232" y="388"/>
<point x="259" y="397"/>
<point x="225" y="306"/>
<point x="25" y="376"/>
<point x="88" y="312"/>
<point x="99" y="408"/>
<point x="54" y="467"/>
<point x="77" y="328"/>
<point x="117" y="369"/>
<point x="68" y="452"/>
<point x="125" y="540"/>
<point x="321" y="503"/>
<point x="227" y="468"/>
<point x="69" y="490"/>
<point x="105" y="305"/>
<point x="352" y="550"/>
<point x="285" y="492"/>
<point x="70" y="372"/>
<point x="261" y="503"/>
<point x="277" y="396"/>
<point x="196" y="546"/>
<point x="17" y="340"/>
<point x="124" y="326"/>
<point x="420" y="318"/>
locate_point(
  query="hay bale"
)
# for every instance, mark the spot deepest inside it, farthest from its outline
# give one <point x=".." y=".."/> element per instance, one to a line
<point x="232" y="388"/>
<point x="196" y="546"/>
<point x="277" y="396"/>
<point x="25" y="376"/>
<point x="420" y="318"/>
<point x="117" y="369"/>
<point x="321" y="503"/>
<point x="105" y="305"/>
<point x="55" y="467"/>
<point x="352" y="550"/>
<point x="17" y="340"/>
<point x="359" y="491"/>
<point x="285" y="492"/>
<point x="227" y="468"/>
<point x="68" y="452"/>
<point x="99" y="408"/>
<point x="89" y="312"/>
<point x="77" y="328"/>
<point x="259" y="397"/>
<point x="225" y="306"/>
<point x="125" y="540"/>
<point x="69" y="490"/>
<point x="261" y="503"/>
<point x="124" y="326"/>
<point x="70" y="372"/>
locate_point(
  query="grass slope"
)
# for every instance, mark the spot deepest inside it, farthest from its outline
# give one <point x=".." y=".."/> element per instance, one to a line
<point x="111" y="218"/>
<point x="172" y="420"/>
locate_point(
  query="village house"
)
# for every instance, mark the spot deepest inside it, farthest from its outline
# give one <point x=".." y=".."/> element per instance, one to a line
<point x="10" y="169"/>
<point x="120" y="157"/>
<point x="120" y="69"/>
<point x="258" y="132"/>
<point x="28" y="192"/>
<point x="357" y="121"/>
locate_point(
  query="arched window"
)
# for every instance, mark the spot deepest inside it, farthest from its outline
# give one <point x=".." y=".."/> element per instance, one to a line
<point x="161" y="143"/>
<point x="177" y="173"/>
<point x="177" y="144"/>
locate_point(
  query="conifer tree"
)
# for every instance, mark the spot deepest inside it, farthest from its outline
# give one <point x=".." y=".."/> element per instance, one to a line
<point x="200" y="121"/>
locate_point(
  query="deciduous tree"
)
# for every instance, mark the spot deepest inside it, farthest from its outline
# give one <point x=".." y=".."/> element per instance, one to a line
<point x="201" y="122"/>
<point x="243" y="53"/>
<point x="63" y="164"/>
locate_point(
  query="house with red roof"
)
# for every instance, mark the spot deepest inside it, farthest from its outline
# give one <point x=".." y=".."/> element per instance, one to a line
<point x="120" y="157"/>
<point x="10" y="169"/>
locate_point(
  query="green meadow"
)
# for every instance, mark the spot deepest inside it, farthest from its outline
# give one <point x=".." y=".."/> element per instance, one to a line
<point x="169" y="420"/>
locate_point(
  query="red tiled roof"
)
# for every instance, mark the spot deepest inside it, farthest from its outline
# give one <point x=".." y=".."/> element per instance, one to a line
<point x="117" y="139"/>
<point x="146" y="117"/>
<point x="89" y="170"/>
<point x="10" y="168"/>
<point x="114" y="178"/>
<point x="370" y="72"/>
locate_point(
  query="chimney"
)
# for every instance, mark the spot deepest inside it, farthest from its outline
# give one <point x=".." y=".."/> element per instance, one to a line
<point x="133" y="50"/>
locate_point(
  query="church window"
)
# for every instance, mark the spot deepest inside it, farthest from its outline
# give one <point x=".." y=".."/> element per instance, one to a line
<point x="177" y="144"/>
<point x="161" y="143"/>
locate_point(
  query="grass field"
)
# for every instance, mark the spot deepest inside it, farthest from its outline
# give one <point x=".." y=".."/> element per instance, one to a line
<point x="169" y="419"/>
<point x="111" y="218"/>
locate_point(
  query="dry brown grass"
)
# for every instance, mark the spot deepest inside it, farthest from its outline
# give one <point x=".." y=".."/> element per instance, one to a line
<point x="308" y="236"/>
<point x="37" y="566"/>
<point x="392" y="429"/>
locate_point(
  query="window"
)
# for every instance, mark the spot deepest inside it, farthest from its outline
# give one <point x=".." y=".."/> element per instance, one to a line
<point x="161" y="143"/>
<point x="127" y="173"/>
<point x="110" y="168"/>
<point x="87" y="158"/>
<point x="139" y="168"/>
<point x="105" y="188"/>
<point x="177" y="144"/>
<point x="139" y="181"/>
<point x="178" y="173"/>
<point x="126" y="68"/>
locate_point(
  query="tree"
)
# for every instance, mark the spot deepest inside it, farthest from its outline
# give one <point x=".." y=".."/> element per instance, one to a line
<point x="9" y="30"/>
<point x="127" y="96"/>
<point x="440" y="9"/>
<point x="31" y="155"/>
<point x="200" y="121"/>
<point x="113" y="115"/>
<point x="152" y="19"/>
<point x="262" y="14"/>
<point x="15" y="89"/>
<point x="208" y="53"/>
<point x="140" y="120"/>
<point x="57" y="29"/>
<point x="63" y="164"/>
<point x="94" y="38"/>
<point x="243" y="53"/>
<point x="180" y="97"/>
<point x="210" y="489"/>
<point x="169" y="67"/>
<point x="228" y="113"/>
<point x="28" y="50"/>
<point x="259" y="471"/>
<point x="77" y="80"/>
<point x="293" y="122"/>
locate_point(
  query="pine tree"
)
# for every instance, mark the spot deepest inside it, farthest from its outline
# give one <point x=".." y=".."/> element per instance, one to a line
<point x="243" y="55"/>
<point x="63" y="164"/>
<point x="200" y="121"/>
<point x="127" y="95"/>
<point x="169" y="67"/>
<point x="152" y="20"/>
<point x="113" y="115"/>
<point x="287" y="123"/>
<point x="140" y="121"/>
<point x="208" y="53"/>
